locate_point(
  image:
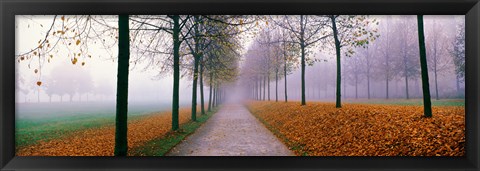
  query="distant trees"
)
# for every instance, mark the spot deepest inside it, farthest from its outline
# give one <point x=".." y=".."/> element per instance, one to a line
<point x="354" y="71"/>
<point x="21" y="85"/>
<point x="68" y="80"/>
<point x="204" y="31"/>
<point x="270" y="57"/>
<point x="407" y="66"/>
<point x="386" y="42"/>
<point x="437" y="44"/>
<point x="458" y="53"/>
<point x="172" y="39"/>
<point x="305" y="31"/>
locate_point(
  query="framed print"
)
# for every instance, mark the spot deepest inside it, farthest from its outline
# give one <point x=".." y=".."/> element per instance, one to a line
<point x="239" y="85"/>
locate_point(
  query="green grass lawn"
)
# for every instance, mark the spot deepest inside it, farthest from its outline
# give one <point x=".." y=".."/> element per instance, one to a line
<point x="43" y="122"/>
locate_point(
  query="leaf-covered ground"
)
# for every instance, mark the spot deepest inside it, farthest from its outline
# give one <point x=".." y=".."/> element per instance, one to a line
<point x="320" y="129"/>
<point x="100" y="141"/>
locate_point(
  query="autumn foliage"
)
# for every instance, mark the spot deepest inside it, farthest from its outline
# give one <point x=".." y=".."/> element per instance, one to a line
<point x="320" y="129"/>
<point x="100" y="141"/>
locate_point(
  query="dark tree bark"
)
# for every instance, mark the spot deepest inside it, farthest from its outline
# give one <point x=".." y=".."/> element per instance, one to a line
<point x="302" y="47"/>
<point x="214" y="100"/>
<point x="176" y="71"/>
<point x="303" y="75"/>
<point x="338" y="102"/>
<point x="122" y="87"/>
<point x="427" y="104"/>
<point x="202" y="97"/>
<point x="196" y="61"/>
<point x="194" y="90"/>
<point x="210" y="93"/>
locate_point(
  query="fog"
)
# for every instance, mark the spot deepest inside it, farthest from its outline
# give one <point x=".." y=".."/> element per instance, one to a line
<point x="144" y="85"/>
<point x="392" y="57"/>
<point x="393" y="63"/>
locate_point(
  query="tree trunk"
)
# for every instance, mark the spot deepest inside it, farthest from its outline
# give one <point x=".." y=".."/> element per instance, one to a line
<point x="255" y="85"/>
<point x="285" y="71"/>
<point x="303" y="75"/>
<point x="202" y="101"/>
<point x="435" y="65"/>
<point x="405" y="70"/>
<point x="122" y="86"/>
<point x="260" y="87"/>
<point x="214" y="100"/>
<point x="210" y="94"/>
<point x="276" y="85"/>
<point x="194" y="89"/>
<point x="436" y="86"/>
<point x="338" y="103"/>
<point x="264" y="87"/>
<point x="427" y="104"/>
<point x="344" y="88"/>
<point x="458" y="84"/>
<point x="176" y="71"/>
<point x="268" y="85"/>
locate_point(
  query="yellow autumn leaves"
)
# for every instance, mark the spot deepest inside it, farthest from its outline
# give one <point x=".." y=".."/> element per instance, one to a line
<point x="320" y="129"/>
<point x="101" y="141"/>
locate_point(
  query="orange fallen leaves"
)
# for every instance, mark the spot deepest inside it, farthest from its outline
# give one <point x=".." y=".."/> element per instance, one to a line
<point x="320" y="129"/>
<point x="101" y="141"/>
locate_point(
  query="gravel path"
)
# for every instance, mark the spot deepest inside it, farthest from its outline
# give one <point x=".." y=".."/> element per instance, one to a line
<point x="232" y="131"/>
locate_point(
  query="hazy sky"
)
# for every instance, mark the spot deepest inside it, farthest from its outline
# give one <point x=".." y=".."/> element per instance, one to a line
<point x="142" y="87"/>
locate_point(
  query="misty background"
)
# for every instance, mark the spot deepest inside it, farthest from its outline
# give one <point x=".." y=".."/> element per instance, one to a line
<point x="76" y="87"/>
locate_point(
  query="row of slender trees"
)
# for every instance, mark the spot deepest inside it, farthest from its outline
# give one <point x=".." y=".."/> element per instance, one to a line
<point x="391" y="59"/>
<point x="303" y="32"/>
<point x="205" y="48"/>
<point x="392" y="48"/>
<point x="70" y="81"/>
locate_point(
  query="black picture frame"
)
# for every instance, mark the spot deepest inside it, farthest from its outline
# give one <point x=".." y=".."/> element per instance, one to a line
<point x="9" y="8"/>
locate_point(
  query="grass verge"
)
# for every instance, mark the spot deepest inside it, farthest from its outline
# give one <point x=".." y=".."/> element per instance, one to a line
<point x="162" y="145"/>
<point x="29" y="132"/>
